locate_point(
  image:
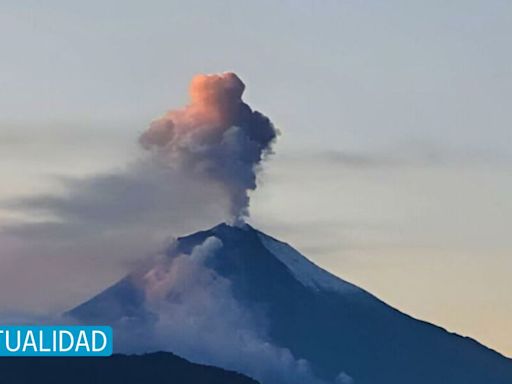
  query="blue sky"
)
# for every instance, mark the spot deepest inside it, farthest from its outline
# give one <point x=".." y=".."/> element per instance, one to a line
<point x="393" y="169"/>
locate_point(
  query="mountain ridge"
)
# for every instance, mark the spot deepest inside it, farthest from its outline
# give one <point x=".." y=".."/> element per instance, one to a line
<point x="389" y="305"/>
<point x="154" y="368"/>
<point x="347" y="330"/>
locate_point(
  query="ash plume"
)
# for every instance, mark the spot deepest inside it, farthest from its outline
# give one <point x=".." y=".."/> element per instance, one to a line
<point x="196" y="315"/>
<point x="216" y="136"/>
<point x="200" y="164"/>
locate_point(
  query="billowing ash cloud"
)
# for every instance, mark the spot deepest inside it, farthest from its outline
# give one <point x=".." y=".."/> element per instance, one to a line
<point x="216" y="136"/>
<point x="200" y="165"/>
<point x="196" y="316"/>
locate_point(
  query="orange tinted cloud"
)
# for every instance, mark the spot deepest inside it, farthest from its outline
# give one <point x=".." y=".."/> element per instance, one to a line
<point x="217" y="136"/>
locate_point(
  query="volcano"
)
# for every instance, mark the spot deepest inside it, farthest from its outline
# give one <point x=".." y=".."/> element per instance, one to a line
<point x="346" y="334"/>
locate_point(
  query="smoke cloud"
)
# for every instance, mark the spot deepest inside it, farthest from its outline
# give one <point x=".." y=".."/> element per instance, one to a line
<point x="199" y="166"/>
<point x="98" y="230"/>
<point x="196" y="316"/>
<point x="216" y="136"/>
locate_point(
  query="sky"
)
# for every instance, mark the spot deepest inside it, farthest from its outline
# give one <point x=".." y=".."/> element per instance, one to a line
<point x="393" y="169"/>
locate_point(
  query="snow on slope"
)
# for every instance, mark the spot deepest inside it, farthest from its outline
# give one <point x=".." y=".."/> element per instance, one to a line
<point x="305" y="271"/>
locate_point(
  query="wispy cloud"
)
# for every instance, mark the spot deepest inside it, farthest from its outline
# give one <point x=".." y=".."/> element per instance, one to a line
<point x="411" y="154"/>
<point x="118" y="218"/>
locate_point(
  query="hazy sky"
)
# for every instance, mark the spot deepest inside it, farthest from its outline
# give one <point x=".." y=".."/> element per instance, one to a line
<point x="394" y="167"/>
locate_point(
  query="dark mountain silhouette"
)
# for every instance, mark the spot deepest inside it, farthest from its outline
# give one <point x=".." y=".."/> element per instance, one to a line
<point x="154" y="368"/>
<point x="331" y="323"/>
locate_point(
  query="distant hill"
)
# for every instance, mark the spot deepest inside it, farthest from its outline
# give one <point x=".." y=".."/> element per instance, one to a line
<point x="153" y="368"/>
